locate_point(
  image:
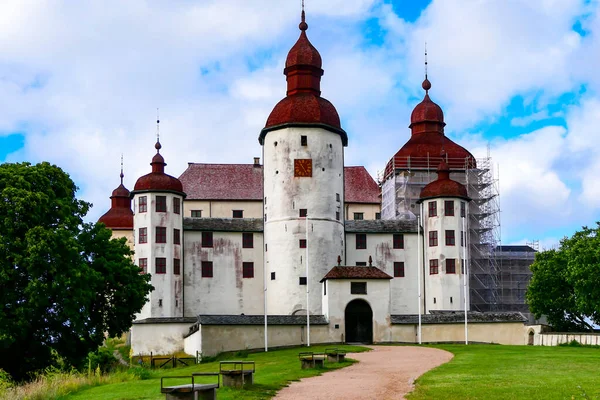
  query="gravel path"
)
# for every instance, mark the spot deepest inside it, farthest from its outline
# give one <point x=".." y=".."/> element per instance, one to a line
<point x="386" y="372"/>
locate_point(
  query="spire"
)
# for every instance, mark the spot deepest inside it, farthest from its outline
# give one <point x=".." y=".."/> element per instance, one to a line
<point x="158" y="162"/>
<point x="121" y="175"/>
<point x="303" y="25"/>
<point x="157" y="146"/>
<point x="426" y="84"/>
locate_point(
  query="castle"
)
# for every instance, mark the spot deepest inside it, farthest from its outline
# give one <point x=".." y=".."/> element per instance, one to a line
<point x="305" y="249"/>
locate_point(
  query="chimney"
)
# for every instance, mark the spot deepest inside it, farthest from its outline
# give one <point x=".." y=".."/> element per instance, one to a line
<point x="257" y="161"/>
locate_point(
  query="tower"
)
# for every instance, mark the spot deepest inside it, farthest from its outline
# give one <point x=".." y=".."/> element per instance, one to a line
<point x="158" y="222"/>
<point x="119" y="218"/>
<point x="303" y="152"/>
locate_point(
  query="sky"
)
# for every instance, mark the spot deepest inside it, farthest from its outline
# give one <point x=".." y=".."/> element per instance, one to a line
<point x="80" y="84"/>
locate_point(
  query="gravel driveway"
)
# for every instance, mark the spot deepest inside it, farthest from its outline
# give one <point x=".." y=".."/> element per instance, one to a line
<point x="386" y="372"/>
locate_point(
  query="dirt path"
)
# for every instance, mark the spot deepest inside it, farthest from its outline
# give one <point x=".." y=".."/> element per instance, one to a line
<point x="385" y="373"/>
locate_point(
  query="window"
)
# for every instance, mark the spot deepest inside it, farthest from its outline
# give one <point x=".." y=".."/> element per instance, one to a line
<point x="377" y="215"/>
<point x="248" y="241"/>
<point x="450" y="266"/>
<point x="433" y="238"/>
<point x="207" y="239"/>
<point x="247" y="270"/>
<point x="337" y="215"/>
<point x="325" y="288"/>
<point x="207" y="269"/>
<point x="272" y="276"/>
<point x="432" y="208"/>
<point x="265" y="247"/>
<point x="449" y="208"/>
<point x="176" y="236"/>
<point x="303" y="140"/>
<point x="143" y="206"/>
<point x="160" y="302"/>
<point x="143" y="264"/>
<point x="302" y="280"/>
<point x="176" y="266"/>
<point x="463" y="211"/>
<point x="398" y="241"/>
<point x="433" y="267"/>
<point x="238" y="213"/>
<point x="143" y="236"/>
<point x="161" y="265"/>
<point x="161" y="203"/>
<point x="450" y="239"/>
<point x="358" y="287"/>
<point x="361" y="241"/>
<point x="302" y="243"/>
<point x="359" y="216"/>
<point x="176" y="205"/>
<point x="361" y="263"/>
<point x="462" y="238"/>
<point x="337" y="197"/>
<point x="398" y="269"/>
<point x="161" y="234"/>
<point x="303" y="212"/>
<point x="196" y="213"/>
<point x="462" y="266"/>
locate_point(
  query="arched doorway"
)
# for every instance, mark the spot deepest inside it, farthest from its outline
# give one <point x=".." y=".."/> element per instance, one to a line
<point x="530" y="338"/>
<point x="359" y="322"/>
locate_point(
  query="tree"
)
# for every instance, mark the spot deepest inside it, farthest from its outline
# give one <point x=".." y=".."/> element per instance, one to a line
<point x="65" y="283"/>
<point x="564" y="286"/>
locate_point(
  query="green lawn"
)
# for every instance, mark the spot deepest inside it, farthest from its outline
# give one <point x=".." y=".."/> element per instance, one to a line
<point x="274" y="370"/>
<point x="513" y="372"/>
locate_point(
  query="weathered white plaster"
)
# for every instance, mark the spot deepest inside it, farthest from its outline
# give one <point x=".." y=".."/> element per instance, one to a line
<point x="159" y="338"/>
<point x="224" y="208"/>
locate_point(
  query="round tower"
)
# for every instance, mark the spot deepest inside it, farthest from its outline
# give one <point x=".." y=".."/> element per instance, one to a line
<point x="158" y="221"/>
<point x="445" y="211"/>
<point x="303" y="152"/>
<point x="119" y="218"/>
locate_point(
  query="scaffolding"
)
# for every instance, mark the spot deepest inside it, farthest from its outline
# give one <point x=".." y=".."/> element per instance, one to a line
<point x="401" y="184"/>
<point x="515" y="262"/>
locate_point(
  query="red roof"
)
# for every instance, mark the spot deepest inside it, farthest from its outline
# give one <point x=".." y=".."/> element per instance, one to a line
<point x="120" y="215"/>
<point x="157" y="179"/>
<point x="360" y="187"/>
<point x="341" y="272"/>
<point x="245" y="182"/>
<point x="443" y="186"/>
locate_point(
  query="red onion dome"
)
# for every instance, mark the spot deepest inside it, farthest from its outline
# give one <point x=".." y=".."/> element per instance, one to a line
<point x="120" y="215"/>
<point x="157" y="180"/>
<point x="303" y="105"/>
<point x="427" y="112"/>
<point x="443" y="186"/>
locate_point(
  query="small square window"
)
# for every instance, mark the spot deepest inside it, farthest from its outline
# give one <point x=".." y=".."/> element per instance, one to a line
<point x="161" y="265"/>
<point x="143" y="206"/>
<point x="207" y="239"/>
<point x="450" y="266"/>
<point x="450" y="239"/>
<point x="302" y="280"/>
<point x="238" y="213"/>
<point x="433" y="238"/>
<point x="207" y="269"/>
<point x="247" y="270"/>
<point x="196" y="213"/>
<point x="377" y="215"/>
<point x="359" y="216"/>
<point x="449" y="208"/>
<point x="303" y="140"/>
<point x="361" y="263"/>
<point x="358" y="287"/>
<point x="161" y="203"/>
<point x="143" y="235"/>
<point x="433" y="267"/>
<point x="248" y="240"/>
<point x="176" y="205"/>
<point x="176" y="236"/>
<point x="361" y="241"/>
<point x="161" y="234"/>
<point x="272" y="276"/>
<point x="398" y="241"/>
<point x="176" y="266"/>
<point x="143" y="264"/>
<point x="463" y="209"/>
<point x="303" y="212"/>
<point x="432" y="208"/>
<point x="302" y="243"/>
<point x="398" y="269"/>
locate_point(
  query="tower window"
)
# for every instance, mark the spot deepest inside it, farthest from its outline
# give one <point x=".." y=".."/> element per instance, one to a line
<point x="302" y="243"/>
<point x="432" y="208"/>
<point x="361" y="241"/>
<point x="143" y="205"/>
<point x="176" y="205"/>
<point x="303" y="212"/>
<point x="433" y="238"/>
<point x="176" y="266"/>
<point x="359" y="216"/>
<point x="196" y="213"/>
<point x="398" y="241"/>
<point x="272" y="276"/>
<point x="450" y="266"/>
<point x="358" y="287"/>
<point x="337" y="215"/>
<point x="462" y="238"/>
<point x="143" y="235"/>
<point x="247" y="270"/>
<point x="161" y="265"/>
<point x="399" y="269"/>
<point x="462" y="266"/>
<point x="248" y="240"/>
<point x="176" y="236"/>
<point x="450" y="239"/>
<point x="207" y="239"/>
<point x="302" y="280"/>
<point x="337" y="197"/>
<point x="463" y="211"/>
<point x="161" y="234"/>
<point x="433" y="267"/>
<point x="160" y="302"/>
<point x="449" y="208"/>
<point x="143" y="264"/>
<point x="238" y="213"/>
<point x="303" y="140"/>
<point x="206" y="269"/>
<point x="161" y="203"/>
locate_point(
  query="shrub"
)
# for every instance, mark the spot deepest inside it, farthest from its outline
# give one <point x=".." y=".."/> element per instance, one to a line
<point x="103" y="358"/>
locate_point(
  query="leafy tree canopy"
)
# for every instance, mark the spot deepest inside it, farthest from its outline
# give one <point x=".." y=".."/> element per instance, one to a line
<point x="64" y="283"/>
<point x="566" y="282"/>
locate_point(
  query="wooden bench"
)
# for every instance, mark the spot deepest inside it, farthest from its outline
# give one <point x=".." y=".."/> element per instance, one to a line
<point x="237" y="374"/>
<point x="335" y="355"/>
<point x="312" y="360"/>
<point x="193" y="390"/>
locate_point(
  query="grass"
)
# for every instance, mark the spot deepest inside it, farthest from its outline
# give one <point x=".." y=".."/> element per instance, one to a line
<point x="274" y="370"/>
<point x="513" y="372"/>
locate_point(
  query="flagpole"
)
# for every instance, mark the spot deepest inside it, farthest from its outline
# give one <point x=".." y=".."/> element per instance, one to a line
<point x="307" y="293"/>
<point x="465" y="273"/>
<point x="419" y="273"/>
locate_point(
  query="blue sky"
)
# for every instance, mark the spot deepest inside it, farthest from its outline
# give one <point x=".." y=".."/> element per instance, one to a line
<point x="79" y="85"/>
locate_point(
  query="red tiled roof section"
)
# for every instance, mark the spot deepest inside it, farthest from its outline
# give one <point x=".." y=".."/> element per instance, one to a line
<point x="359" y="186"/>
<point x="341" y="272"/>
<point x="223" y="182"/>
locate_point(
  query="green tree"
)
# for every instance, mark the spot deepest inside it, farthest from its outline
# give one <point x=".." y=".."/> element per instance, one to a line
<point x="565" y="283"/>
<point x="64" y="283"/>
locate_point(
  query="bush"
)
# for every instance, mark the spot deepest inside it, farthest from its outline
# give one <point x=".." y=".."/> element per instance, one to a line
<point x="5" y="380"/>
<point x="140" y="372"/>
<point x="103" y="358"/>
